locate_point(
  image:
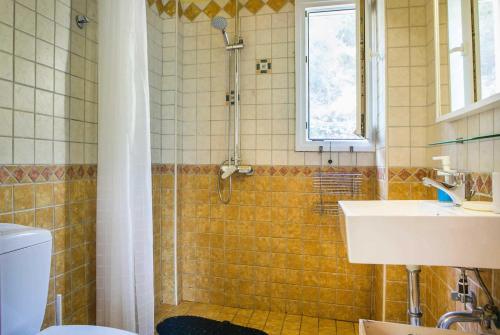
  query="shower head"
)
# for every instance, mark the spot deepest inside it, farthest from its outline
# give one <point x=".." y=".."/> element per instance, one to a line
<point x="220" y="23"/>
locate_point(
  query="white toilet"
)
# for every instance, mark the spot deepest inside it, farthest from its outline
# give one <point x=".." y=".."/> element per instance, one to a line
<point x="25" y="254"/>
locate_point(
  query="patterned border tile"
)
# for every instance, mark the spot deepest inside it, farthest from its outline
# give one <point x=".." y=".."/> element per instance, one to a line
<point x="408" y="174"/>
<point x="479" y="182"/>
<point x="24" y="174"/>
<point x="162" y="169"/>
<point x="191" y="9"/>
<point x="265" y="170"/>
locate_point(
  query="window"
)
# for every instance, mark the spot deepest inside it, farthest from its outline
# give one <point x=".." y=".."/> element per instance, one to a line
<point x="459" y="44"/>
<point x="330" y="76"/>
<point x="488" y="45"/>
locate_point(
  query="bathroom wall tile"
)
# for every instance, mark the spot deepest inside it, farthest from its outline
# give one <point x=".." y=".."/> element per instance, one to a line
<point x="43" y="152"/>
<point x="62" y="60"/>
<point x="24" y="151"/>
<point x="76" y="153"/>
<point x="6" y="38"/>
<point x="31" y="4"/>
<point x="43" y="127"/>
<point x="6" y="89"/>
<point x="62" y="37"/>
<point x="62" y="15"/>
<point x="45" y="8"/>
<point x="24" y="45"/>
<point x="24" y="124"/>
<point x="44" y="77"/>
<point x="7" y="14"/>
<point x="44" y="53"/>
<point x="61" y="152"/>
<point x="397" y="17"/>
<point x="24" y="197"/>
<point x="6" y="66"/>
<point x="24" y="98"/>
<point x="24" y="72"/>
<point x="5" y="150"/>
<point x="45" y="29"/>
<point x="6" y="125"/>
<point x="44" y="102"/>
<point x="24" y="19"/>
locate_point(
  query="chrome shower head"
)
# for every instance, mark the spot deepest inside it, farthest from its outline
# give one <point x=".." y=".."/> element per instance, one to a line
<point x="220" y="23"/>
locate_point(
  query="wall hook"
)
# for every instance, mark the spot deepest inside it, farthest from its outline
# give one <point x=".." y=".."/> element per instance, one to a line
<point x="81" y="21"/>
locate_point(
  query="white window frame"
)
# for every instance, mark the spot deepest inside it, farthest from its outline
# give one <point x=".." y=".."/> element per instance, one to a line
<point x="301" y="141"/>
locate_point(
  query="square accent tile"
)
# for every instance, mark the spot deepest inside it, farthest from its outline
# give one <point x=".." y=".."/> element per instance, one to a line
<point x="263" y="66"/>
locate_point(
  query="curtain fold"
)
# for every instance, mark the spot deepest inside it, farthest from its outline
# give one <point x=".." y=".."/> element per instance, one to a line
<point x="125" y="295"/>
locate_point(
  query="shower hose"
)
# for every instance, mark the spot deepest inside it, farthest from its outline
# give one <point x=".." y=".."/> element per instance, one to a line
<point x="219" y="186"/>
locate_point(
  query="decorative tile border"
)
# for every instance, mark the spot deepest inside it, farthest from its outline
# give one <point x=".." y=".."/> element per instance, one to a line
<point x="408" y="174"/>
<point x="191" y="9"/>
<point x="284" y="171"/>
<point x="25" y="174"/>
<point x="168" y="7"/>
<point x="162" y="169"/>
<point x="479" y="182"/>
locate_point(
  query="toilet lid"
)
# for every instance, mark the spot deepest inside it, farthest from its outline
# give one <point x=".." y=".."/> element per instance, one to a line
<point x="83" y="330"/>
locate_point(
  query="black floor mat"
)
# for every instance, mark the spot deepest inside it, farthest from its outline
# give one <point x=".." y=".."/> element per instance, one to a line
<point x="194" y="325"/>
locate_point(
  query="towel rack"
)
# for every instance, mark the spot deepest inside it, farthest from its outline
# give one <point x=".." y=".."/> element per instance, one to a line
<point x="335" y="185"/>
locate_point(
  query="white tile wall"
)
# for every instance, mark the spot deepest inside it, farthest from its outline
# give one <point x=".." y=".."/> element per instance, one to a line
<point x="48" y="88"/>
<point x="267" y="100"/>
<point x="163" y="85"/>
<point x="406" y="83"/>
<point x="478" y="156"/>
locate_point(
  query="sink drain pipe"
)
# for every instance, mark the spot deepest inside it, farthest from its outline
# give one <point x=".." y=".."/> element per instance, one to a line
<point x="414" y="311"/>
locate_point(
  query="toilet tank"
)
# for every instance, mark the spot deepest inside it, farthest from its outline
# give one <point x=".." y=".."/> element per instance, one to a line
<point x="25" y="254"/>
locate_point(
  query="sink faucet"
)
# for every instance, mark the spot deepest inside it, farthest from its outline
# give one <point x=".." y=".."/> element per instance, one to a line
<point x="487" y="316"/>
<point x="450" y="318"/>
<point x="456" y="191"/>
<point x="453" y="184"/>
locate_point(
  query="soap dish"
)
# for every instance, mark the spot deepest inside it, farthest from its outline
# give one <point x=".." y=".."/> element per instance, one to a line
<point x="480" y="206"/>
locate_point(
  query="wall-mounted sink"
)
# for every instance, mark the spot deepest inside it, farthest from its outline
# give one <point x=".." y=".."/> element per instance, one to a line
<point x="420" y="232"/>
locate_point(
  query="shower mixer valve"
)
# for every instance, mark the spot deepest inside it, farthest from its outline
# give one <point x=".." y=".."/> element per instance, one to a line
<point x="230" y="97"/>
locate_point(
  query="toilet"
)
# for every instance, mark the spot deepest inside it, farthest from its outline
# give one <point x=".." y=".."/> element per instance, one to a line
<point x="25" y="254"/>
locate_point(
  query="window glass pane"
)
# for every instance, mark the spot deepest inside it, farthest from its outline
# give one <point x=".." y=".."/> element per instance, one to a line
<point x="456" y="55"/>
<point x="332" y="72"/>
<point x="489" y="45"/>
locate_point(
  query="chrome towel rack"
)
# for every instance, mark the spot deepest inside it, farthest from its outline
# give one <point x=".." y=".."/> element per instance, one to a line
<point x="334" y="186"/>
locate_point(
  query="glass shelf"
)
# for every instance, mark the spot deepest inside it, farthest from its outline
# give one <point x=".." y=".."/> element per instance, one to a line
<point x="464" y="140"/>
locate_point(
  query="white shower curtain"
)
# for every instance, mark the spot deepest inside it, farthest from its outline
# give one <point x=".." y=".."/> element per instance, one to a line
<point x="125" y="297"/>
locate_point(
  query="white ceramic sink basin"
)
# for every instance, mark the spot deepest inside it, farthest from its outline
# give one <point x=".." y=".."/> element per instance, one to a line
<point x="420" y="232"/>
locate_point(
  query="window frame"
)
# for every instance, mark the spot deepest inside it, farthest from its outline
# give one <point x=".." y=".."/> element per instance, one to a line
<point x="364" y="101"/>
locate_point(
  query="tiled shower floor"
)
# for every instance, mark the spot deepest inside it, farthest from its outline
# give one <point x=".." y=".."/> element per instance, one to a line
<point x="273" y="323"/>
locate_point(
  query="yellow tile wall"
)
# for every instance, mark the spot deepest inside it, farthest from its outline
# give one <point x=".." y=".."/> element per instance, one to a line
<point x="267" y="249"/>
<point x="163" y="232"/>
<point x="442" y="281"/>
<point x="61" y="199"/>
